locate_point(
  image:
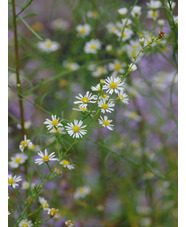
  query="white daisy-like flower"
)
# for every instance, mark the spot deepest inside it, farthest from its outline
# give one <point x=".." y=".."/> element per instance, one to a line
<point x="54" y="123"/>
<point x="113" y="84"/>
<point x="123" y="97"/>
<point x="175" y="19"/>
<point x="92" y="46"/>
<point x="173" y="4"/>
<point x="48" y="46"/>
<point x="123" y="11"/>
<point x="154" y="4"/>
<point x="81" y="192"/>
<point x="60" y="24"/>
<point x="83" y="30"/>
<point x="67" y="164"/>
<point x="45" y="157"/>
<point x="70" y="65"/>
<point x="126" y="34"/>
<point x="106" y="106"/>
<point x="111" y="27"/>
<point x="99" y="71"/>
<point x="116" y="66"/>
<point x="133" y="115"/>
<point x="136" y="11"/>
<point x="125" y="22"/>
<point x="33" y="147"/>
<point x="26" y="185"/>
<point x="161" y="22"/>
<point x="84" y="100"/>
<point x="92" y="14"/>
<point x="133" y="48"/>
<point x="12" y="181"/>
<point x="96" y="88"/>
<point x="69" y="223"/>
<point x="44" y="203"/>
<point x="153" y="14"/>
<point x="132" y="67"/>
<point x="76" y="129"/>
<point x="52" y="212"/>
<point x="105" y="122"/>
<point x="18" y="159"/>
<point x="25" y="223"/>
<point x="59" y="130"/>
<point x="9" y="213"/>
<point x="108" y="48"/>
<point x="24" y="143"/>
<point x="81" y="109"/>
<point x="27" y="125"/>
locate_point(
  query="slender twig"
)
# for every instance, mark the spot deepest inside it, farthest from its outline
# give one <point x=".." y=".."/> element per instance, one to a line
<point x="17" y="69"/>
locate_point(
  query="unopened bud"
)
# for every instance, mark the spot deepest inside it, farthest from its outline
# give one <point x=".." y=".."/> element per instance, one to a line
<point x="142" y="41"/>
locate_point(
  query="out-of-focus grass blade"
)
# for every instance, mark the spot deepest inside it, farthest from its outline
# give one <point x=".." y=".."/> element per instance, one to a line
<point x="28" y="26"/>
<point x="29" y="15"/>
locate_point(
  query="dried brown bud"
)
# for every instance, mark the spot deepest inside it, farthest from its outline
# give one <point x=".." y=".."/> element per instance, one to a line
<point x="161" y="34"/>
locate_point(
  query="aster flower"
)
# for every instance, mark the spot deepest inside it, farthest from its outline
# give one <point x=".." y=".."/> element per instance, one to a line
<point x="60" y="24"/>
<point x="126" y="34"/>
<point x="116" y="66"/>
<point x="26" y="223"/>
<point x="54" y="123"/>
<point x="136" y="11"/>
<point x="12" y="181"/>
<point x="123" y="97"/>
<point x="92" y="46"/>
<point x="83" y="30"/>
<point x="173" y="4"/>
<point x="92" y="14"/>
<point x="132" y="67"/>
<point x="70" y="65"/>
<point x="48" y="46"/>
<point x="123" y="11"/>
<point x="27" y="125"/>
<point x="154" y="4"/>
<point x="106" y="106"/>
<point x="59" y="130"/>
<point x="113" y="84"/>
<point x="26" y="185"/>
<point x="84" y="100"/>
<point x="133" y="115"/>
<point x="52" y="212"/>
<point x="81" y="109"/>
<point x="99" y="71"/>
<point x="18" y="159"/>
<point x="105" y="122"/>
<point x="24" y="143"/>
<point x="161" y="22"/>
<point x="69" y="223"/>
<point x="45" y="157"/>
<point x="96" y="88"/>
<point x="66" y="164"/>
<point x="76" y="129"/>
<point x="44" y="203"/>
<point x="153" y="14"/>
<point x="81" y="192"/>
<point x="111" y="27"/>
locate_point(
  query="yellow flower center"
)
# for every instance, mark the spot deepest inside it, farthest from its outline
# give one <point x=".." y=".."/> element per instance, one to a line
<point x="133" y="115"/>
<point x="55" y="122"/>
<point x="93" y="47"/>
<point x="121" y="97"/>
<point x="117" y="66"/>
<point x="124" y="35"/>
<point x="105" y="96"/>
<point x="53" y="211"/>
<point x="134" y="46"/>
<point x="113" y="85"/>
<point x="65" y="162"/>
<point x="24" y="224"/>
<point x="24" y="143"/>
<point x="154" y="14"/>
<point x="133" y="54"/>
<point x="76" y="128"/>
<point x="63" y="83"/>
<point x="68" y="223"/>
<point x="46" y="158"/>
<point x="105" y="122"/>
<point x="105" y="106"/>
<point x="101" y="69"/>
<point x="81" y="190"/>
<point x="83" y="108"/>
<point x="99" y="88"/>
<point x="84" y="100"/>
<point x="44" y="204"/>
<point x="17" y="160"/>
<point x="82" y="31"/>
<point x="33" y="146"/>
<point x="113" y="29"/>
<point x="48" y="44"/>
<point x="69" y="66"/>
<point x="11" y="181"/>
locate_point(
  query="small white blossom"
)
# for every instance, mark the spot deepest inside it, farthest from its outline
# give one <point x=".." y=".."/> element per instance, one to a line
<point x="154" y="4"/>
<point x="116" y="66"/>
<point x="12" y="181"/>
<point x="18" y="159"/>
<point x="26" y="223"/>
<point x="81" y="192"/>
<point x="45" y="157"/>
<point x="70" y="65"/>
<point x="27" y="125"/>
<point x="69" y="223"/>
<point x="126" y="34"/>
<point x="92" y="46"/>
<point x="106" y="106"/>
<point x="123" y="97"/>
<point x="153" y="14"/>
<point x="105" y="122"/>
<point x="136" y="11"/>
<point x="60" y="24"/>
<point x="92" y="14"/>
<point x="99" y="71"/>
<point x="76" y="129"/>
<point x="84" y="100"/>
<point x="123" y="11"/>
<point x="24" y="143"/>
<point x="83" y="30"/>
<point x="54" y="123"/>
<point x="113" y="84"/>
<point x="67" y="164"/>
<point x="132" y="67"/>
<point x="44" y="203"/>
<point x="48" y="46"/>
